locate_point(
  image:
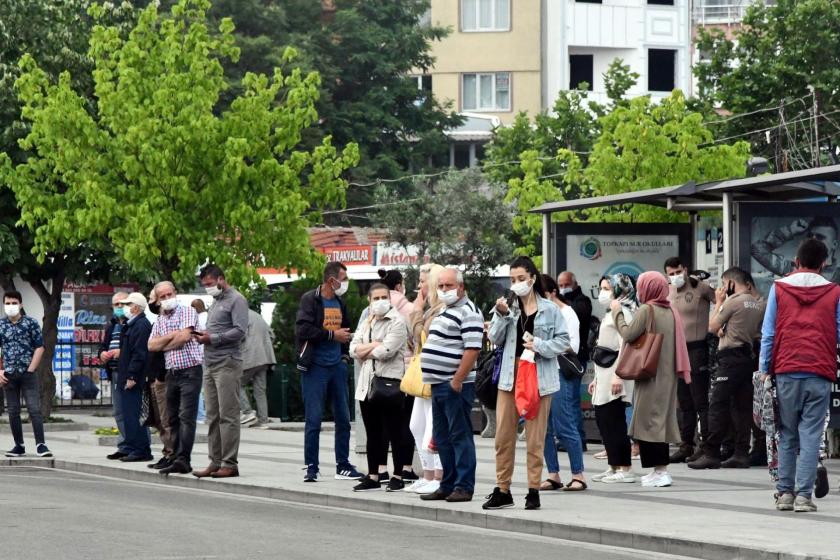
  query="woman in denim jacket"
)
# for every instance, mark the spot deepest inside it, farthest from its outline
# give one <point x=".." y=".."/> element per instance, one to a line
<point x="530" y="312"/>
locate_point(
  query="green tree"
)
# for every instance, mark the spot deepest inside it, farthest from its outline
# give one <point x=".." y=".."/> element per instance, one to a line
<point x="156" y="173"/>
<point x="765" y="74"/>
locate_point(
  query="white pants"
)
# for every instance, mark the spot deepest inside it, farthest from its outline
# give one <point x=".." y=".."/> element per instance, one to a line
<point x="421" y="429"/>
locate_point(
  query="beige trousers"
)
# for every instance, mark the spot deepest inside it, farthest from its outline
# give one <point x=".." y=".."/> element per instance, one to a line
<point x="222" y="381"/>
<point x="159" y="402"/>
<point x="507" y="419"/>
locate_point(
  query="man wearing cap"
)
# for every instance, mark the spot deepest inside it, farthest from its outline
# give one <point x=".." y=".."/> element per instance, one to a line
<point x="131" y="376"/>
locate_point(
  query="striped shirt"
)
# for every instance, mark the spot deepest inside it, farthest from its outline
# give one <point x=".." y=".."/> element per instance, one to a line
<point x="454" y="330"/>
<point x="189" y="355"/>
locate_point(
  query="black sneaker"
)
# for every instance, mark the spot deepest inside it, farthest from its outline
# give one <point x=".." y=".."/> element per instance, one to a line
<point x="347" y="472"/>
<point x="409" y="475"/>
<point x="16" y="451"/>
<point x="395" y="485"/>
<point x="532" y="500"/>
<point x="367" y="485"/>
<point x="162" y="464"/>
<point x="498" y="500"/>
<point x="311" y="474"/>
<point x="43" y="451"/>
<point x="821" y="486"/>
<point x="385" y="475"/>
<point x="116" y="456"/>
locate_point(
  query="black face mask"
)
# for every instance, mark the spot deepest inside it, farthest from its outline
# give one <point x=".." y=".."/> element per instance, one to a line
<point x="154" y="308"/>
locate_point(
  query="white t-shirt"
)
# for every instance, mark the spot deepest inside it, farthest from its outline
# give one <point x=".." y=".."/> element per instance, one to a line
<point x="573" y="325"/>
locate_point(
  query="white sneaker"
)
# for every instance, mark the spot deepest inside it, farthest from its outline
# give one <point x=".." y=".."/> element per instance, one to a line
<point x="248" y="418"/>
<point x="603" y="475"/>
<point x="649" y="476"/>
<point x="658" y="480"/>
<point x="619" y="476"/>
<point x="417" y="486"/>
<point x="430" y="487"/>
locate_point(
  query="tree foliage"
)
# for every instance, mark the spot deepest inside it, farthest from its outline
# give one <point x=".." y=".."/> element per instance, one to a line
<point x="156" y="172"/>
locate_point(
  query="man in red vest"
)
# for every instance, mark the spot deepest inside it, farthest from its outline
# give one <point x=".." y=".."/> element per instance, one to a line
<point x="799" y="348"/>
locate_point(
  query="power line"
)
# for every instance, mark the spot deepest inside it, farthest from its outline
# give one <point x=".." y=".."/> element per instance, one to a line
<point x="764" y="110"/>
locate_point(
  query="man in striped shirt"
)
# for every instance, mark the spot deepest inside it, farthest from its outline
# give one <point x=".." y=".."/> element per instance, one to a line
<point x="448" y="363"/>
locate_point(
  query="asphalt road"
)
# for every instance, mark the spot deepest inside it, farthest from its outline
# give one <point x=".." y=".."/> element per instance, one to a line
<point x="55" y="515"/>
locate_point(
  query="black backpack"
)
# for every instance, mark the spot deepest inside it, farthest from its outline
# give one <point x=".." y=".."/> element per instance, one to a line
<point x="485" y="389"/>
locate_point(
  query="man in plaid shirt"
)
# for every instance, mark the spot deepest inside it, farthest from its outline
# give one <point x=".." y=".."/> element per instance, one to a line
<point x="172" y="334"/>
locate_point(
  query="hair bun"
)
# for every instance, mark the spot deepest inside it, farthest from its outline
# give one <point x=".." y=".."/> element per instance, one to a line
<point x="382" y="273"/>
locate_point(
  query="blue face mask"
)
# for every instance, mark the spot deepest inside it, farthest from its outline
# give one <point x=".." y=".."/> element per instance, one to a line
<point x="119" y="312"/>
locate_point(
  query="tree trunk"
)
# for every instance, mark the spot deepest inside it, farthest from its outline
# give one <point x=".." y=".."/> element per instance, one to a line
<point x="328" y="10"/>
<point x="51" y="300"/>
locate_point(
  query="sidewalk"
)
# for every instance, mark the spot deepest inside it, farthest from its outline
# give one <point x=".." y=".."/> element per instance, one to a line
<point x="715" y="515"/>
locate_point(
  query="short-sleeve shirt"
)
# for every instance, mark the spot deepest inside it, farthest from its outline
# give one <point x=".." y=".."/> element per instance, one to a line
<point x="190" y="354"/>
<point x="741" y="316"/>
<point x="694" y="305"/>
<point x="328" y="352"/>
<point x="454" y="330"/>
<point x="18" y="342"/>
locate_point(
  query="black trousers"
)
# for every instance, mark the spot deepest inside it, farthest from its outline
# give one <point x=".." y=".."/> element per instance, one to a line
<point x="383" y="424"/>
<point x="693" y="397"/>
<point x="612" y="423"/>
<point x="730" y="403"/>
<point x="408" y="438"/>
<point x="653" y="454"/>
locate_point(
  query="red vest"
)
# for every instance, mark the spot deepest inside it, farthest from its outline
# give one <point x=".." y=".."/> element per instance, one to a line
<point x="806" y="329"/>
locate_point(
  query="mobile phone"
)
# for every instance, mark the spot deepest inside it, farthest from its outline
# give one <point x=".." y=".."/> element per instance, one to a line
<point x="510" y="298"/>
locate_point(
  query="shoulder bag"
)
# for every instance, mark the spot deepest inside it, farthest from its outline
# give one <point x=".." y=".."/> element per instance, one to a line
<point x="412" y="382"/>
<point x="570" y="366"/>
<point x="604" y="357"/>
<point x="640" y="358"/>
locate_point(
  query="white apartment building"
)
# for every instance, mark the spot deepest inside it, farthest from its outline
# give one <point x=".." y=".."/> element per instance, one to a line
<point x="582" y="37"/>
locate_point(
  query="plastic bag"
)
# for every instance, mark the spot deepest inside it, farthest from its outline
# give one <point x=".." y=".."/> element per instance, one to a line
<point x="527" y="391"/>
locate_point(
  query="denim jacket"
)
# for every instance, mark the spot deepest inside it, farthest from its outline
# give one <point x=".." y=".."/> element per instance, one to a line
<point x="551" y="337"/>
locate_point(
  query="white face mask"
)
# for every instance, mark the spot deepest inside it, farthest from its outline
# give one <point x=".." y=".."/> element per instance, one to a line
<point x="11" y="309"/>
<point x="128" y="314"/>
<point x="521" y="289"/>
<point x="213" y="291"/>
<point x="604" y="297"/>
<point x="565" y="291"/>
<point x="448" y="298"/>
<point x="677" y="280"/>
<point x="342" y="289"/>
<point x="169" y="304"/>
<point x="380" y="307"/>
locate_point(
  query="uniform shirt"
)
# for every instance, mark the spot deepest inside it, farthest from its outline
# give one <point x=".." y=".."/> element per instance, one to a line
<point x="190" y="354"/>
<point x="18" y="342"/>
<point x="454" y="330"/>
<point x="694" y="305"/>
<point x="741" y="316"/>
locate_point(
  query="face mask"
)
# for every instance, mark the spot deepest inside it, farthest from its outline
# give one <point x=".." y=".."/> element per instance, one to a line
<point x="521" y="289"/>
<point x="342" y="289"/>
<point x="169" y="304"/>
<point x="565" y="291"/>
<point x="677" y="280"/>
<point x="380" y="307"/>
<point x="154" y="308"/>
<point x="128" y="314"/>
<point x="213" y="291"/>
<point x="448" y="298"/>
<point x="604" y="297"/>
<point x="11" y="309"/>
<point x="119" y="312"/>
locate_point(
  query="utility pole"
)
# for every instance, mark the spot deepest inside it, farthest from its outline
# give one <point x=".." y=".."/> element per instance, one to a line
<point x="816" y="111"/>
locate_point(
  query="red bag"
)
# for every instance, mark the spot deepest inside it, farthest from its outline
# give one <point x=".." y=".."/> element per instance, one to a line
<point x="527" y="390"/>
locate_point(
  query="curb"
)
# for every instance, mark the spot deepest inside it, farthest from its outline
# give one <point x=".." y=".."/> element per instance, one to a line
<point x="575" y="533"/>
<point x="51" y="427"/>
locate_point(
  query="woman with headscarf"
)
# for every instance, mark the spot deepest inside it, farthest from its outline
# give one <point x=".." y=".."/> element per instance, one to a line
<point x="611" y="395"/>
<point x="654" y="422"/>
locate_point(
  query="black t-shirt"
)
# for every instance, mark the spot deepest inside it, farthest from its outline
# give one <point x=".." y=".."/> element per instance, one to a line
<point x="523" y="325"/>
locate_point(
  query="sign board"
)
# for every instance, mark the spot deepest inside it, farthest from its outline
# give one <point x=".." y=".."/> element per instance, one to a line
<point x="64" y="359"/>
<point x="350" y="254"/>
<point x="394" y="254"/>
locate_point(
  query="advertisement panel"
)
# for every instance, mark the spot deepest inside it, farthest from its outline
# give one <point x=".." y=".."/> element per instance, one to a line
<point x="350" y="254"/>
<point x="64" y="360"/>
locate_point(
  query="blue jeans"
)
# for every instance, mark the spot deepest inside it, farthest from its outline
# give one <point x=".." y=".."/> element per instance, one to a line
<point x="452" y="431"/>
<point x="317" y="385"/>
<point x="24" y="385"/>
<point x="802" y="407"/>
<point x="581" y="387"/>
<point x="137" y="441"/>
<point x="563" y="423"/>
<point x="119" y="418"/>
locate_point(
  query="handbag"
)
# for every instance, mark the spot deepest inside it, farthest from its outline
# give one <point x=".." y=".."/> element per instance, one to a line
<point x="570" y="366"/>
<point x="412" y="382"/>
<point x="640" y="358"/>
<point x="384" y="389"/>
<point x="604" y="357"/>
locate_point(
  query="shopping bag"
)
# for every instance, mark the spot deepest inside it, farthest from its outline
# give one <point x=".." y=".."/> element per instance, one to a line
<point x="527" y="391"/>
<point x="412" y="382"/>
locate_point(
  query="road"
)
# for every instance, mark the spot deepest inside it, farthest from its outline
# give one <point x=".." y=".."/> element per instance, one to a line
<point x="56" y="515"/>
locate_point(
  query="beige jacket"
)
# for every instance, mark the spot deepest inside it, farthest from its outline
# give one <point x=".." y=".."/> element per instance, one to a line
<point x="386" y="360"/>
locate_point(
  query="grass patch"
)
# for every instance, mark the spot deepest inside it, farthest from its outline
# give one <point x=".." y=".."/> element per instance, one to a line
<point x="107" y="432"/>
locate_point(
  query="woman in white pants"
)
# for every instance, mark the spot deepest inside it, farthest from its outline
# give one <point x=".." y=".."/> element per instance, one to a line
<point x="426" y="307"/>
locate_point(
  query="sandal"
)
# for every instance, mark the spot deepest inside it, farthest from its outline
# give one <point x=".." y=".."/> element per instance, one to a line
<point x="575" y="486"/>
<point x="550" y="484"/>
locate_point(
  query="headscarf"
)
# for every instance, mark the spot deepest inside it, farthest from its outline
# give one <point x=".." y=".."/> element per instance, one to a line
<point x="653" y="290"/>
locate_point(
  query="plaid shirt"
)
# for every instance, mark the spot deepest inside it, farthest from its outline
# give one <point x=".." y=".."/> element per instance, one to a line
<point x="190" y="354"/>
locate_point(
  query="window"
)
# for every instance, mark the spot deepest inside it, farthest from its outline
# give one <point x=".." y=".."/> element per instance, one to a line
<point x="661" y="2"/>
<point x="662" y="69"/>
<point x="581" y="70"/>
<point x="486" y="92"/>
<point x="485" y="15"/>
<point x="424" y="82"/>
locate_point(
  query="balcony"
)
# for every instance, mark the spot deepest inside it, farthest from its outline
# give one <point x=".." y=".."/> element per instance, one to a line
<point x="722" y="14"/>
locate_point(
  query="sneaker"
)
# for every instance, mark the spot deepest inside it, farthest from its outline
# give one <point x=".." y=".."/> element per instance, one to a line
<point x="658" y="480"/>
<point x="116" y="456"/>
<point x="311" y="474"/>
<point x="136" y="459"/>
<point x="619" y="477"/>
<point x="161" y="464"/>
<point x="260" y="426"/>
<point x="348" y="472"/>
<point x="395" y="485"/>
<point x="459" y="495"/>
<point x="248" y="418"/>
<point x="532" y="500"/>
<point x="16" y="451"/>
<point x="601" y="476"/>
<point x="821" y="485"/>
<point x="784" y="502"/>
<point x="409" y="475"/>
<point x="498" y="499"/>
<point x="417" y="487"/>
<point x="367" y="484"/>
<point x="705" y="462"/>
<point x="601" y="455"/>
<point x="43" y="451"/>
<point x="804" y="505"/>
<point x="384" y="475"/>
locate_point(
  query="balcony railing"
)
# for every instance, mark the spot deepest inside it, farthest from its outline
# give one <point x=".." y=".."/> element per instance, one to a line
<point x="710" y="14"/>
